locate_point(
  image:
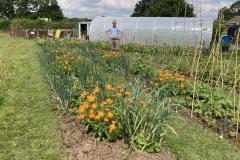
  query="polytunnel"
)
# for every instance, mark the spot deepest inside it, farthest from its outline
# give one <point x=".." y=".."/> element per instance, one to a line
<point x="173" y="31"/>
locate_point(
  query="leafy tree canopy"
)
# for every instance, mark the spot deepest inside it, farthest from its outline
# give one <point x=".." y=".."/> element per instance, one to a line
<point x="163" y="8"/>
<point x="231" y="12"/>
<point x="31" y="9"/>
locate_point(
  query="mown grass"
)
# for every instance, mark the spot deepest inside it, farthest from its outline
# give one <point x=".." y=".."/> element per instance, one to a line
<point x="196" y="142"/>
<point x="29" y="126"/>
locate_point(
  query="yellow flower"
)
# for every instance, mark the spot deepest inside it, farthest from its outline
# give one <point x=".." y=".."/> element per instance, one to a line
<point x="100" y="114"/>
<point x="84" y="94"/>
<point x="96" y="90"/>
<point x="110" y="115"/>
<point x="91" y="99"/>
<point x="94" y="106"/>
<point x="112" y="127"/>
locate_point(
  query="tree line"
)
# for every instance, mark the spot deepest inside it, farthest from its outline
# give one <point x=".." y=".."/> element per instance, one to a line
<point x="32" y="9"/>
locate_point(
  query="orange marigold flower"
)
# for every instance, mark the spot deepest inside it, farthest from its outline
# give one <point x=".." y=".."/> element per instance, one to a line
<point x="81" y="117"/>
<point x="127" y="93"/>
<point x="110" y="87"/>
<point x="119" y="94"/>
<point x="92" y="116"/>
<point x="109" y="100"/>
<point x="82" y="108"/>
<point x="112" y="127"/>
<point x="91" y="111"/>
<point x="91" y="99"/>
<point x="103" y="103"/>
<point x="84" y="94"/>
<point x="110" y="115"/>
<point x="94" y="106"/>
<point x="96" y="90"/>
<point x="100" y="114"/>
<point x="121" y="90"/>
<point x="97" y="117"/>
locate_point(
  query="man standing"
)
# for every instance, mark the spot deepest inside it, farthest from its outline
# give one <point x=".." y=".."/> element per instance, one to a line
<point x="114" y="34"/>
<point x="226" y="41"/>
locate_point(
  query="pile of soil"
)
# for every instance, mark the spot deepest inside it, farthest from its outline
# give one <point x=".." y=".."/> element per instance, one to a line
<point x="80" y="146"/>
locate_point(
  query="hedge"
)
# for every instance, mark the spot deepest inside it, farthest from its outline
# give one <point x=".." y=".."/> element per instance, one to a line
<point x="39" y="24"/>
<point x="4" y="24"/>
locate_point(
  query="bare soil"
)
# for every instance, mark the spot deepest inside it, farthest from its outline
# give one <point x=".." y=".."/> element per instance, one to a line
<point x="81" y="146"/>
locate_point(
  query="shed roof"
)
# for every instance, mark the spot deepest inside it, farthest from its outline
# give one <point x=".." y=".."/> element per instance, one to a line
<point x="234" y="20"/>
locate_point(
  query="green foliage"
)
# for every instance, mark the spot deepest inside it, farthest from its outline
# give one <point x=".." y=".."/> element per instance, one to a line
<point x="143" y="117"/>
<point x="4" y="24"/>
<point x="213" y="103"/>
<point x="163" y="8"/>
<point x="24" y="23"/>
<point x="144" y="71"/>
<point x="7" y="8"/>
<point x="31" y="9"/>
<point x="232" y="11"/>
<point x="27" y="112"/>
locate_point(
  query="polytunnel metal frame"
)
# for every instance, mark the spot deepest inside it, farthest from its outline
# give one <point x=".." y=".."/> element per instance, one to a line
<point x="173" y="31"/>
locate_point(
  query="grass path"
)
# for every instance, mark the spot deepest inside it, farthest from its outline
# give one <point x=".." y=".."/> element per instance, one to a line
<point x="194" y="142"/>
<point x="29" y="126"/>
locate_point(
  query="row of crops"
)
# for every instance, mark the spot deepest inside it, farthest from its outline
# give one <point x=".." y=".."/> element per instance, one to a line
<point x="134" y="92"/>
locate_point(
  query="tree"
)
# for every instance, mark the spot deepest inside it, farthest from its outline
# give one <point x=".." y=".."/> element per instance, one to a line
<point x="50" y="9"/>
<point x="231" y="12"/>
<point x="7" y="8"/>
<point x="31" y="9"/>
<point x="163" y="8"/>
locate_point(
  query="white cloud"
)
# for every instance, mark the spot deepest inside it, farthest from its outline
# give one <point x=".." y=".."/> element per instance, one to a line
<point x="94" y="8"/>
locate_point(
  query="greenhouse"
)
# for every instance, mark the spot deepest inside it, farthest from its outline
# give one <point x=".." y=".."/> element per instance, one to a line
<point x="175" y="31"/>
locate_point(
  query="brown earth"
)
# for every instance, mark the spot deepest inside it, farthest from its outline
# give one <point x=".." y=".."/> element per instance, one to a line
<point x="80" y="146"/>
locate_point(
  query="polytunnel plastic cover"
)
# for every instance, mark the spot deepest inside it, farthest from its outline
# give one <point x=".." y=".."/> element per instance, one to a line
<point x="174" y="31"/>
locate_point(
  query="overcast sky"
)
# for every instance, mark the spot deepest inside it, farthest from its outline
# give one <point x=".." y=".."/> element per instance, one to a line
<point x="94" y="8"/>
